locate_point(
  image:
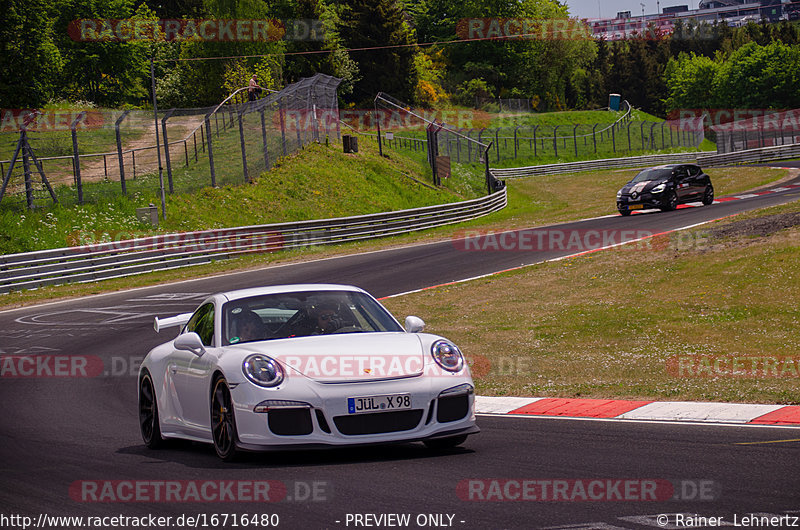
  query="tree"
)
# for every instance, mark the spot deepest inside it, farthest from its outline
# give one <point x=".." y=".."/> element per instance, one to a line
<point x="29" y="59"/>
<point x="388" y="64"/>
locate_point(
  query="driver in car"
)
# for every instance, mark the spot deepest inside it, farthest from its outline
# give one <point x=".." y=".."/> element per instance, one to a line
<point x="327" y="318"/>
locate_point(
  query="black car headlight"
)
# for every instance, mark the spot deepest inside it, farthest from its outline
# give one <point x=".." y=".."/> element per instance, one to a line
<point x="263" y="370"/>
<point x="658" y="189"/>
<point x="447" y="355"/>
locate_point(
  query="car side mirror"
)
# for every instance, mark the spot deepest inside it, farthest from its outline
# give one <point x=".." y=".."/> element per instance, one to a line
<point x="414" y="324"/>
<point x="190" y="342"/>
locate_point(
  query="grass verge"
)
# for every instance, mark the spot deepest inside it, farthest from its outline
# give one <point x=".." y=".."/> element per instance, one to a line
<point x="693" y="315"/>
<point x="531" y="202"/>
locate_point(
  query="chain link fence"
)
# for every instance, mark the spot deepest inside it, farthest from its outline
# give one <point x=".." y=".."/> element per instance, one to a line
<point x="74" y="157"/>
<point x="559" y="142"/>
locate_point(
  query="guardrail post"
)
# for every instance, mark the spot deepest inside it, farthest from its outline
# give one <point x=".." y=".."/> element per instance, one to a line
<point x="241" y="143"/>
<point x="210" y="152"/>
<point x="166" y="148"/>
<point x="75" y="157"/>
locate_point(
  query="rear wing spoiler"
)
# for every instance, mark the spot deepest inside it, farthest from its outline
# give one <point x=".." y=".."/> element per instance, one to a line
<point x="177" y="320"/>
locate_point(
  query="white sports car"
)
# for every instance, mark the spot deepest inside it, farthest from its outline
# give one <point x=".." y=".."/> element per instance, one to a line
<point x="302" y="366"/>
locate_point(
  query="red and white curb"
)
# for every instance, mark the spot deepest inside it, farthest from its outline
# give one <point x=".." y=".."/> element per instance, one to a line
<point x="733" y="413"/>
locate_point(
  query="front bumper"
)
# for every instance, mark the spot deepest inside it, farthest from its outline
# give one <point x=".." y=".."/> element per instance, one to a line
<point x="642" y="202"/>
<point x="316" y="414"/>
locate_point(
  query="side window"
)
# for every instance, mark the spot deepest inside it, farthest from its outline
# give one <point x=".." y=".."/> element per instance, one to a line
<point x="694" y="171"/>
<point x="202" y="323"/>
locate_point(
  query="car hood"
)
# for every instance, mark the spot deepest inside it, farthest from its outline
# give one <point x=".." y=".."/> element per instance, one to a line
<point x="641" y="187"/>
<point x="346" y="357"/>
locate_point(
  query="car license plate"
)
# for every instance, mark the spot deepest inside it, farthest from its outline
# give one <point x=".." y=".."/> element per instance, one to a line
<point x="635" y="206"/>
<point x="360" y="405"/>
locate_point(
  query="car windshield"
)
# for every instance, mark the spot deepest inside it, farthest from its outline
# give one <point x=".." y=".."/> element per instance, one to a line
<point x="301" y="314"/>
<point x="654" y="173"/>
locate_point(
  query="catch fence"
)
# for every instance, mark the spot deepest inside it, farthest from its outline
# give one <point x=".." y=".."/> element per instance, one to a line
<point x="92" y="155"/>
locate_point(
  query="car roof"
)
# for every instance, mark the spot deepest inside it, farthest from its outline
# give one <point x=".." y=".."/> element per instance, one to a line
<point x="291" y="288"/>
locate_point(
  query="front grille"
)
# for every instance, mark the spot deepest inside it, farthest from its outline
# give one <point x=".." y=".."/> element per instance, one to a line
<point x="452" y="408"/>
<point x="378" y="422"/>
<point x="290" y="422"/>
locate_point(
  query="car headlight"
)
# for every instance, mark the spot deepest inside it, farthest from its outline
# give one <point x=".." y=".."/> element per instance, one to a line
<point x="447" y="355"/>
<point x="619" y="194"/>
<point x="263" y="370"/>
<point x="658" y="189"/>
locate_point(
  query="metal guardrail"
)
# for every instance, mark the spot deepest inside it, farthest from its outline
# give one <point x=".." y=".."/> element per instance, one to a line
<point x="590" y="165"/>
<point x="759" y="154"/>
<point x="100" y="261"/>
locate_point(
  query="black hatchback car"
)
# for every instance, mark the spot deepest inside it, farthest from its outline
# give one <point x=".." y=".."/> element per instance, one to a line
<point x="665" y="187"/>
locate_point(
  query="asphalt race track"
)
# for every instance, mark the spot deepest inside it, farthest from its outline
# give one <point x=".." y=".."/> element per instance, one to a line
<point x="71" y="445"/>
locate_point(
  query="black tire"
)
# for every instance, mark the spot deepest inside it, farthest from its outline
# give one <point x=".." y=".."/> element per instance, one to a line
<point x="148" y="413"/>
<point x="624" y="212"/>
<point x="670" y="202"/>
<point x="441" y="444"/>
<point x="223" y="421"/>
<point x="708" y="196"/>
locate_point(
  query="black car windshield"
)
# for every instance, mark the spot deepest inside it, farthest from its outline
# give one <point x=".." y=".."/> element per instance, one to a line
<point x="285" y="315"/>
<point x="654" y="173"/>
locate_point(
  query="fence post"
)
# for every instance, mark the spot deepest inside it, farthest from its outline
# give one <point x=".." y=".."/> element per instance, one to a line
<point x="26" y="168"/>
<point x="75" y="157"/>
<point x="613" y="139"/>
<point x="497" y="142"/>
<point x="516" y="142"/>
<point x="119" y="151"/>
<point x="297" y="121"/>
<point x="210" y="152"/>
<point x="241" y="143"/>
<point x="555" y="139"/>
<point x="629" y="137"/>
<point x="653" y="136"/>
<point x="641" y="132"/>
<point x="575" y="139"/>
<point x="662" y="135"/>
<point x="186" y="152"/>
<point x="166" y="148"/>
<point x="283" y="126"/>
<point x="264" y="138"/>
<point x="535" y="127"/>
